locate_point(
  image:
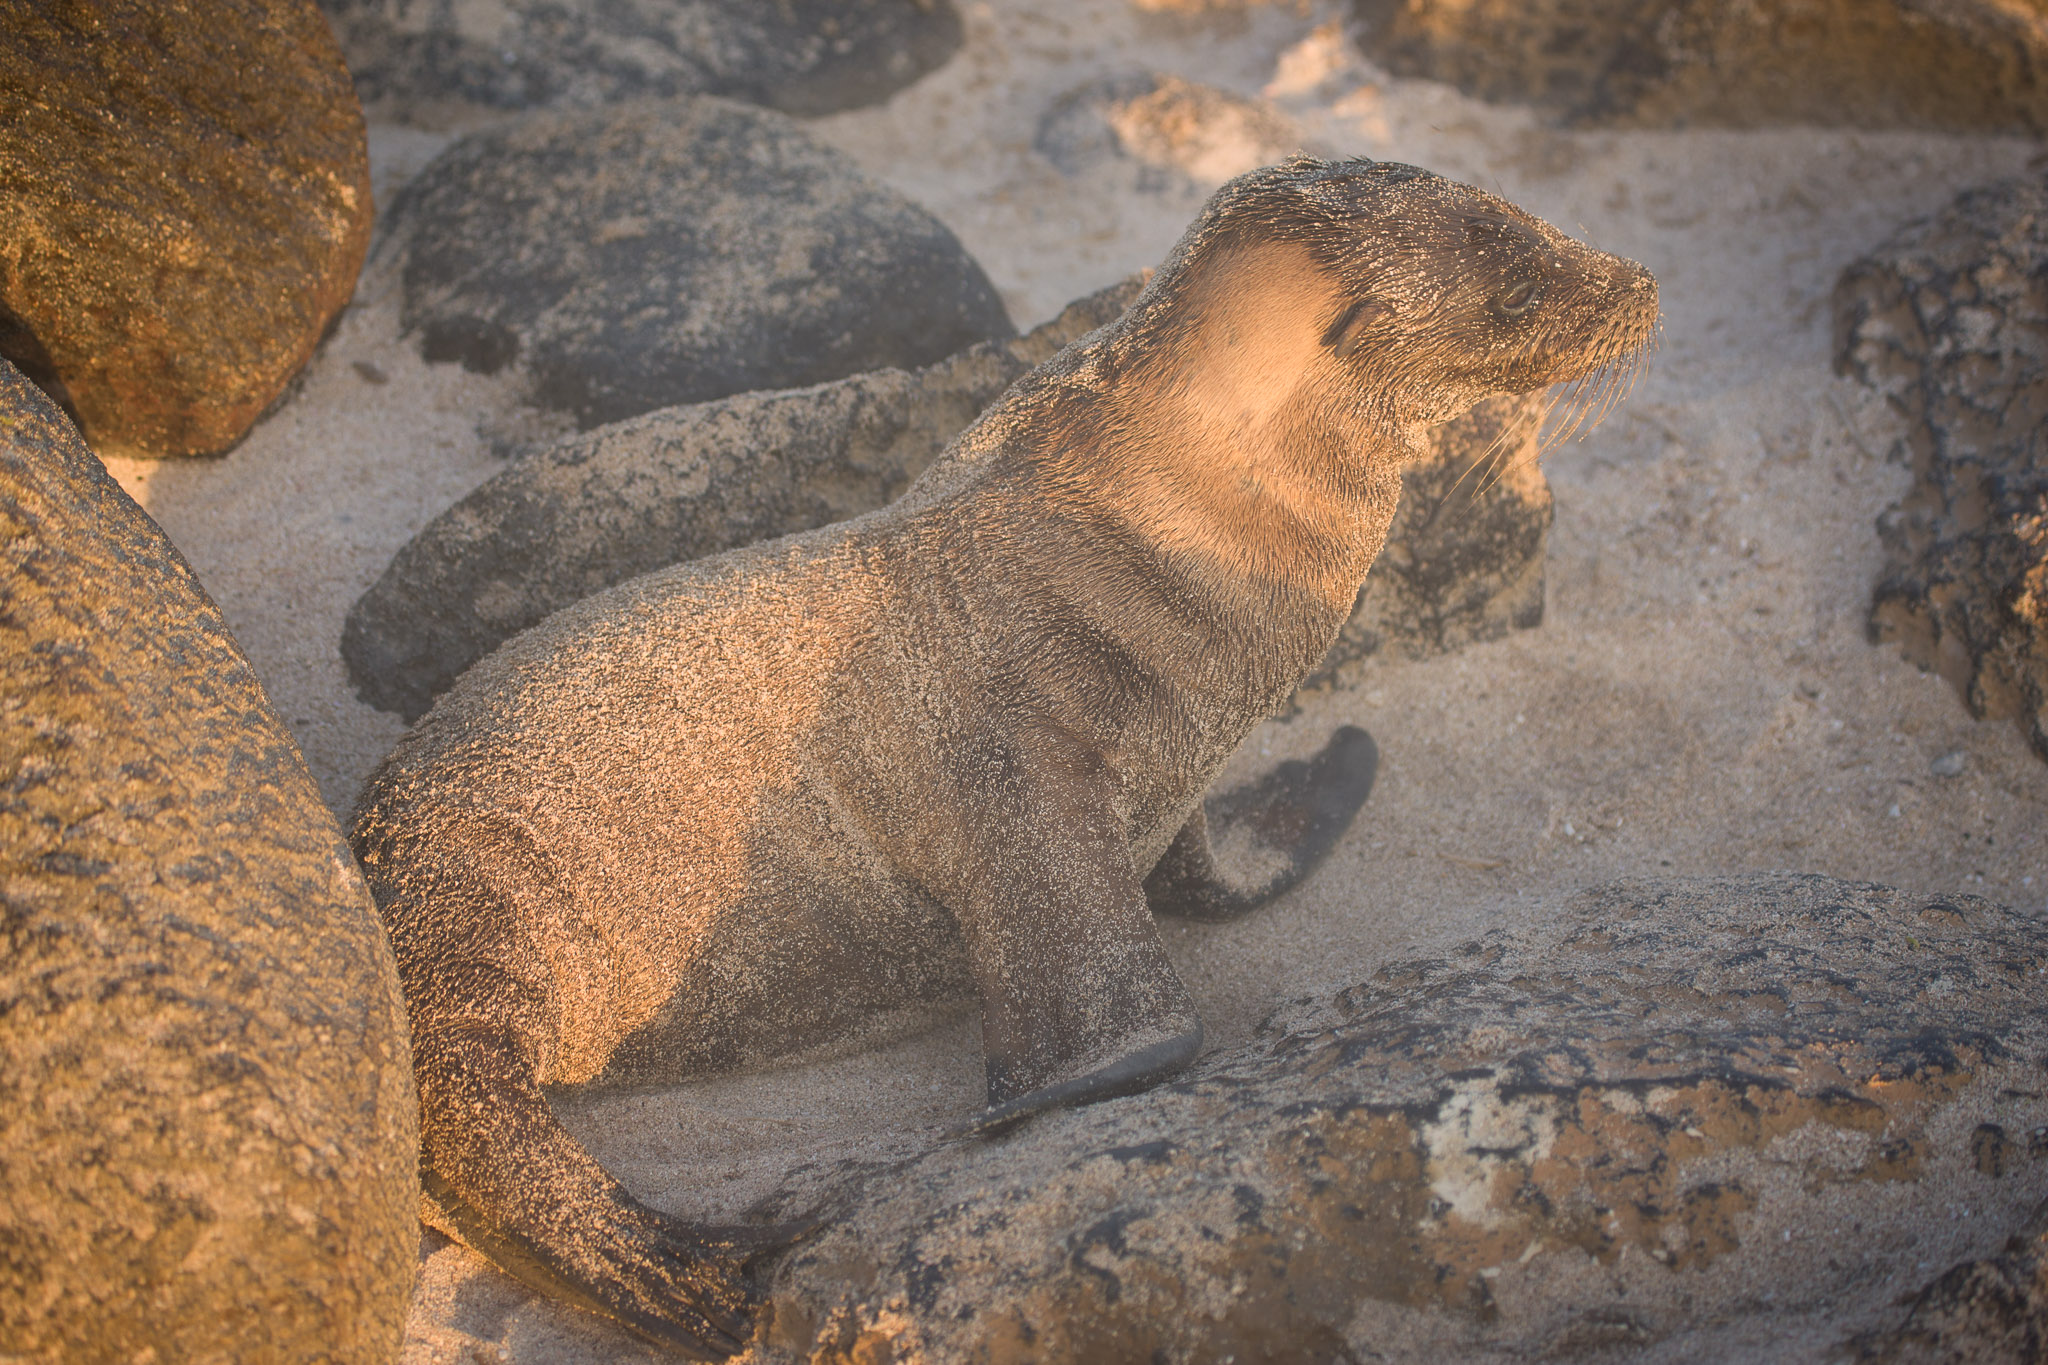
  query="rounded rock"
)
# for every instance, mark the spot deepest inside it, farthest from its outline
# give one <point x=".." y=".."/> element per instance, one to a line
<point x="1711" y="1119"/>
<point x="675" y="251"/>
<point x="208" y="1124"/>
<point x="184" y="205"/>
<point x="425" y="63"/>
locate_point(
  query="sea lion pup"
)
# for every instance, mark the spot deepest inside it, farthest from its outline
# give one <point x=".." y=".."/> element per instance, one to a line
<point x="743" y="805"/>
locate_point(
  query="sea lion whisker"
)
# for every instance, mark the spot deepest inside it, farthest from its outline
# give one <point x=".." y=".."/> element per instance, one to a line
<point x="1497" y="458"/>
<point x="1495" y="451"/>
<point x="1572" y="402"/>
<point x="1508" y="463"/>
<point x="1542" y="419"/>
<point x="1473" y="467"/>
<point x="1516" y="466"/>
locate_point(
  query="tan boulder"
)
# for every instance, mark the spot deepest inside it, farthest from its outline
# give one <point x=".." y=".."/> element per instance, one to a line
<point x="208" y="1125"/>
<point x="1962" y="65"/>
<point x="184" y="205"/>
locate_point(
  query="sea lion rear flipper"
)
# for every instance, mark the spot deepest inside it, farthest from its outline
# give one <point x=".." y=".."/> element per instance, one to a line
<point x="1293" y="817"/>
<point x="501" y="1175"/>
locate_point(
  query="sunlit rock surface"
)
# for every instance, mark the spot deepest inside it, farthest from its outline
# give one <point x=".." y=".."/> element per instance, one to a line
<point x="1686" y="1120"/>
<point x="1949" y="319"/>
<point x="184" y="204"/>
<point x="1162" y="133"/>
<point x="207" y="1117"/>
<point x="1956" y="65"/>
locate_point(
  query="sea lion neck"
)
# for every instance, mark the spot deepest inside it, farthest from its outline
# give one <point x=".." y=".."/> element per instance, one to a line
<point x="1231" y="439"/>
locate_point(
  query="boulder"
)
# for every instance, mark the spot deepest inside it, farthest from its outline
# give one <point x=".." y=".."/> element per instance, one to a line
<point x="422" y="63"/>
<point x="1465" y="561"/>
<point x="1949" y="319"/>
<point x="184" y="205"/>
<point x="665" y="252"/>
<point x="1685" y="1120"/>
<point x="207" y="1114"/>
<point x="678" y="484"/>
<point x="1172" y="133"/>
<point x="1959" y="65"/>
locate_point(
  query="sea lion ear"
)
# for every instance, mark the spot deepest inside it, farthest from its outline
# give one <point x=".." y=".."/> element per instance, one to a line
<point x="1353" y="323"/>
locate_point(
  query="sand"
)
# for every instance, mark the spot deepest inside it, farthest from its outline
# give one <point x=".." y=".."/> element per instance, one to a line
<point x="1700" y="698"/>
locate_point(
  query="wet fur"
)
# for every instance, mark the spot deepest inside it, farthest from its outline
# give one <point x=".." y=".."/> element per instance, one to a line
<point x="750" y="804"/>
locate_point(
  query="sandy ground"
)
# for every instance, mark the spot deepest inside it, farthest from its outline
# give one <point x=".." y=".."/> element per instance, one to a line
<point x="1700" y="699"/>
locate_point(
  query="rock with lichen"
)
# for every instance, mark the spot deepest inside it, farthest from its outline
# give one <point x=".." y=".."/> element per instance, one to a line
<point x="184" y="205"/>
<point x="207" y="1110"/>
<point x="1956" y="65"/>
<point x="1949" y="319"/>
<point x="432" y="63"/>
<point x="1686" y="1119"/>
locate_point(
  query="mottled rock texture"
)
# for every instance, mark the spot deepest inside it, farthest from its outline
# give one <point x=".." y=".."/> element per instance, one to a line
<point x="1989" y="1311"/>
<point x="1949" y="319"/>
<point x="207" y="1117"/>
<point x="1963" y="65"/>
<point x="674" y="251"/>
<point x="1666" y="1125"/>
<point x="423" y="63"/>
<point x="1464" y="562"/>
<point x="184" y="205"/>
<point x="673" y="485"/>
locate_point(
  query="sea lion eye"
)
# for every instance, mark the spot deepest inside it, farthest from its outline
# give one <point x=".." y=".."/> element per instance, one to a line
<point x="1519" y="299"/>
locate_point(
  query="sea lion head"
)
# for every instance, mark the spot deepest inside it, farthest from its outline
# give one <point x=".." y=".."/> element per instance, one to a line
<point x="1428" y="293"/>
<point x="1253" y="407"/>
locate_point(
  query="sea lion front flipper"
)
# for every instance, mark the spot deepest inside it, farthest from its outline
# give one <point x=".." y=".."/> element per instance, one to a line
<point x="500" y="1174"/>
<point x="1292" y="818"/>
<point x="1078" y="999"/>
<point x="1126" y="1076"/>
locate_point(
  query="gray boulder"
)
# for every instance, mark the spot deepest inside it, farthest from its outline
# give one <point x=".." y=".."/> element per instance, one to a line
<point x="1949" y="319"/>
<point x="674" y="485"/>
<point x="207" y="1114"/>
<point x="1961" y="65"/>
<point x="674" y="251"/>
<point x="184" y="205"/>
<point x="425" y="63"/>
<point x="1689" y="1120"/>
<point x="1464" y="563"/>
